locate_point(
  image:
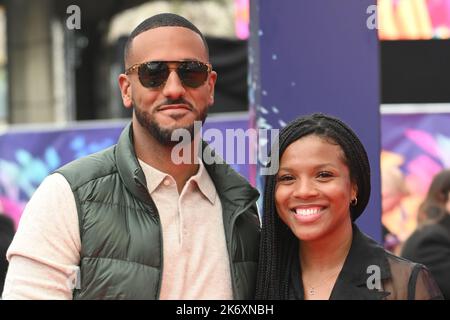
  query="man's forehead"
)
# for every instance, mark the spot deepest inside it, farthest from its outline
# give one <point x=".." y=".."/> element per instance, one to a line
<point x="170" y="36"/>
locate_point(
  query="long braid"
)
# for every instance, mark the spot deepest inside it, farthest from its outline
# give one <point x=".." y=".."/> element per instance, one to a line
<point x="278" y="244"/>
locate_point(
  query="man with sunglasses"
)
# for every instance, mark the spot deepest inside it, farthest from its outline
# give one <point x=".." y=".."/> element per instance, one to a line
<point x="131" y="223"/>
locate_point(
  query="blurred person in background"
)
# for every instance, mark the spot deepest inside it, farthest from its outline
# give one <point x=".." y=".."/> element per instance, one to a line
<point x="430" y="243"/>
<point x="6" y="236"/>
<point x="393" y="191"/>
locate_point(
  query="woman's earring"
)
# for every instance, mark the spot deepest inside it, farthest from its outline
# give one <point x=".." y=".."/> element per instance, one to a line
<point x="354" y="202"/>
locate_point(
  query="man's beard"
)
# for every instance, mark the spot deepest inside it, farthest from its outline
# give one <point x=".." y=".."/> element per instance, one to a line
<point x="163" y="135"/>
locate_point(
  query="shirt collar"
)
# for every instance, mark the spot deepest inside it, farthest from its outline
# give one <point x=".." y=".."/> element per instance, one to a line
<point x="153" y="176"/>
<point x="364" y="252"/>
<point x="365" y="256"/>
<point x="202" y="179"/>
<point x="205" y="183"/>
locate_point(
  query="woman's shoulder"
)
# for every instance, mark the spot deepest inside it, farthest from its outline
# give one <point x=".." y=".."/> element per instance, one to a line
<point x="367" y="247"/>
<point x="403" y="267"/>
<point x="410" y="280"/>
<point x="402" y="278"/>
<point x="400" y="263"/>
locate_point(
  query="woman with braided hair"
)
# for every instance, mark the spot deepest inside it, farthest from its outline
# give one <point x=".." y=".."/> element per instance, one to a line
<point x="310" y="246"/>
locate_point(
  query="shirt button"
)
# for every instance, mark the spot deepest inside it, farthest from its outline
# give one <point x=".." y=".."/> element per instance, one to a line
<point x="167" y="182"/>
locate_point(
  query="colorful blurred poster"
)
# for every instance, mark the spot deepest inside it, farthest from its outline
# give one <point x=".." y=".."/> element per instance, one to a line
<point x="27" y="156"/>
<point x="242" y="18"/>
<point x="413" y="19"/>
<point x="415" y="147"/>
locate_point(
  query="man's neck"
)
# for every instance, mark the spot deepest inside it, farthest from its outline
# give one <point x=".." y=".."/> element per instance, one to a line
<point x="159" y="156"/>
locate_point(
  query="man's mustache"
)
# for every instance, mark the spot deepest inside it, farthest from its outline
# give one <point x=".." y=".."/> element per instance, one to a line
<point x="175" y="101"/>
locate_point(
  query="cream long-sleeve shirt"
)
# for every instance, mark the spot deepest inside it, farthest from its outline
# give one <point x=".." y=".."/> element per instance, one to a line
<point x="45" y="253"/>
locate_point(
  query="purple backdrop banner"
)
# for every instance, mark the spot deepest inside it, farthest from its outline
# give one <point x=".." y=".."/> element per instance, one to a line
<point x="318" y="56"/>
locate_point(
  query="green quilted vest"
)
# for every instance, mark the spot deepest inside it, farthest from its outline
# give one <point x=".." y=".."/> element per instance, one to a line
<point x="121" y="238"/>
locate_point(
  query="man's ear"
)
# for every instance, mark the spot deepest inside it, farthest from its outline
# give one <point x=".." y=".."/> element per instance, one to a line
<point x="125" y="90"/>
<point x="211" y="84"/>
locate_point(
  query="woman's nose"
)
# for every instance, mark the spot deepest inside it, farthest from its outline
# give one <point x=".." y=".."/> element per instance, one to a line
<point x="304" y="189"/>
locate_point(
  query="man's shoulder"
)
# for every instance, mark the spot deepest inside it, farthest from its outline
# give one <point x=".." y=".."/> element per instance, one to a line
<point x="91" y="167"/>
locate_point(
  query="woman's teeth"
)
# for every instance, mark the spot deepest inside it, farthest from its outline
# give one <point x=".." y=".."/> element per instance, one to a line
<point x="307" y="212"/>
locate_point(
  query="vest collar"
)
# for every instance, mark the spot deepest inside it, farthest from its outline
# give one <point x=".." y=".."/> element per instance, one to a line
<point x="128" y="166"/>
<point x="232" y="188"/>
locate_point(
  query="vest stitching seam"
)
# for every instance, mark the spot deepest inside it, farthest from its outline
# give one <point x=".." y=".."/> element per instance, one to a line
<point x="113" y="204"/>
<point x="96" y="178"/>
<point x="122" y="260"/>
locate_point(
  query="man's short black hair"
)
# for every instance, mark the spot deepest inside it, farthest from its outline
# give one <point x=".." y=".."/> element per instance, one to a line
<point x="162" y="20"/>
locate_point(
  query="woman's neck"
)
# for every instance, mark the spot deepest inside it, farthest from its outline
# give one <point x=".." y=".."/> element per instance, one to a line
<point x="327" y="253"/>
<point x="321" y="261"/>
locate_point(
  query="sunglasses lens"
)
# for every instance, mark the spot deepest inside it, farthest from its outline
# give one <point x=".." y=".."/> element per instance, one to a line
<point x="153" y="74"/>
<point x="192" y="73"/>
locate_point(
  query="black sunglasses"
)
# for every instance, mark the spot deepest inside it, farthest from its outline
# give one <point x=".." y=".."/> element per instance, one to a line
<point x="153" y="74"/>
